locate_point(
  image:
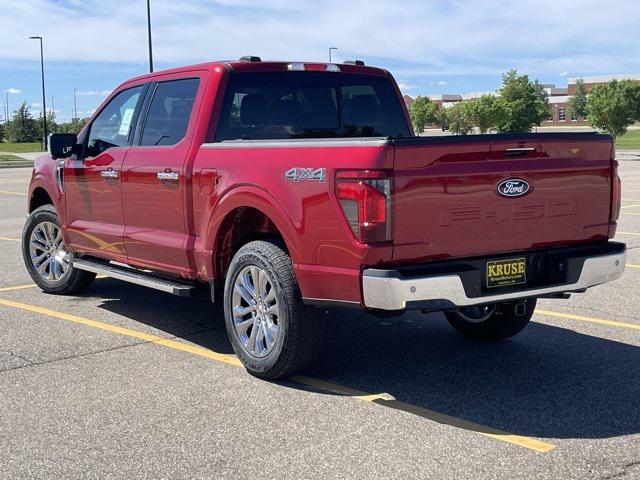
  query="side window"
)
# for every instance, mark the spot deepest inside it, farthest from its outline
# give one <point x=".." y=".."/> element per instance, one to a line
<point x="112" y="126"/>
<point x="169" y="112"/>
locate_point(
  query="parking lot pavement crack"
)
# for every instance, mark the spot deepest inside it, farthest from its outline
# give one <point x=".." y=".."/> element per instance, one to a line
<point x="95" y="352"/>
<point x="629" y="470"/>
<point x="15" y="355"/>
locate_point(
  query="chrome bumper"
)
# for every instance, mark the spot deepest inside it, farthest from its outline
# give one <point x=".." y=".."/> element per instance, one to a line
<point x="393" y="293"/>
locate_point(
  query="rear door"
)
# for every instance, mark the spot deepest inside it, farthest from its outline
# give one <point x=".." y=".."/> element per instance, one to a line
<point x="156" y="177"/>
<point x="92" y="182"/>
<point x="448" y="203"/>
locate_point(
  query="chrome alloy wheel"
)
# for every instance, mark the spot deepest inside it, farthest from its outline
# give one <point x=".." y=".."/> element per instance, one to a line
<point x="46" y="250"/>
<point x="256" y="314"/>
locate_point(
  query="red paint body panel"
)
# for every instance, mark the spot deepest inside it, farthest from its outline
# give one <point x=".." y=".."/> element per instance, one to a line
<point x="444" y="201"/>
<point x="447" y="204"/>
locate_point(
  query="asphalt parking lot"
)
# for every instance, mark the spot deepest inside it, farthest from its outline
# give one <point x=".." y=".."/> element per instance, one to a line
<point x="126" y="382"/>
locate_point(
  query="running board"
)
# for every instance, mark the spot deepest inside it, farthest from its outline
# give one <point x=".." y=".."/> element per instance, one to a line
<point x="134" y="276"/>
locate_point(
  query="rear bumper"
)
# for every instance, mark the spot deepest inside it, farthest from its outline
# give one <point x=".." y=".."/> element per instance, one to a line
<point x="403" y="289"/>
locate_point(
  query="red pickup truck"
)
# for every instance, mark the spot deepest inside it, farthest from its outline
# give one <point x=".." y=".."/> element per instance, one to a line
<point x="280" y="186"/>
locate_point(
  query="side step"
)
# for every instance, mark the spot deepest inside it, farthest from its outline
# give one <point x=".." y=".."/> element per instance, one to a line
<point x="134" y="276"/>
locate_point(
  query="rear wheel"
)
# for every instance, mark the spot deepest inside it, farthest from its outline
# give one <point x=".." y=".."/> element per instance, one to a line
<point x="45" y="256"/>
<point x="492" y="322"/>
<point x="270" y="330"/>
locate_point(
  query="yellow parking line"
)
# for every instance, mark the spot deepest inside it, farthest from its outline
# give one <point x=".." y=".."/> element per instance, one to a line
<point x="10" y="239"/>
<point x="628" y="233"/>
<point x="631" y="206"/>
<point x="630" y="213"/>
<point x="14" y="193"/>
<point x="382" y="399"/>
<point x="602" y="321"/>
<point x="631" y="265"/>
<point x="229" y="359"/>
<point x="18" y="287"/>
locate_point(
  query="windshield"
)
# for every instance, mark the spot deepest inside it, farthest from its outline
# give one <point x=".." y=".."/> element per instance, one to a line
<point x="284" y="105"/>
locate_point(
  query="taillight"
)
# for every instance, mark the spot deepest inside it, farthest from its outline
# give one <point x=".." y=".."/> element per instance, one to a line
<point x="365" y="198"/>
<point x="616" y="194"/>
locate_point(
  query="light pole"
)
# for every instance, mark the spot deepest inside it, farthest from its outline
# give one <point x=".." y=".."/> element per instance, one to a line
<point x="44" y="105"/>
<point x="75" y="104"/>
<point x="331" y="48"/>
<point x="149" y="35"/>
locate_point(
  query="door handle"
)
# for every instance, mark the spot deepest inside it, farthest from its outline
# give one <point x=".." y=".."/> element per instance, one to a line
<point x="168" y="175"/>
<point x="109" y="173"/>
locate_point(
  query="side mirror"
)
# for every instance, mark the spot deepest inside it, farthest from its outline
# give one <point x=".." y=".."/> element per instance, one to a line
<point x="62" y="145"/>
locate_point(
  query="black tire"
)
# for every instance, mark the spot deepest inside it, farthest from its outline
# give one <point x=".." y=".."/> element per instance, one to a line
<point x="500" y="321"/>
<point x="300" y="329"/>
<point x="74" y="280"/>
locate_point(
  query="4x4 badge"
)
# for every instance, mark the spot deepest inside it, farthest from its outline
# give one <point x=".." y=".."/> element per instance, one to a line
<point x="312" y="174"/>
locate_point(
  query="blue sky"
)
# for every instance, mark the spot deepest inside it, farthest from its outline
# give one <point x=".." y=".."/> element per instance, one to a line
<point x="443" y="46"/>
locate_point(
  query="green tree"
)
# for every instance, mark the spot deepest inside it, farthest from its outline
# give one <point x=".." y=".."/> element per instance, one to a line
<point x="525" y="102"/>
<point x="577" y="105"/>
<point x="486" y="112"/>
<point x="74" y="126"/>
<point x="440" y="118"/>
<point x="614" y="106"/>
<point x="460" y="118"/>
<point x="1" y="132"/>
<point x="422" y="113"/>
<point x="52" y="126"/>
<point x="22" y="127"/>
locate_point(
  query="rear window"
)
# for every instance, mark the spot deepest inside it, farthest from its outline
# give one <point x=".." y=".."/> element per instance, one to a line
<point x="284" y="105"/>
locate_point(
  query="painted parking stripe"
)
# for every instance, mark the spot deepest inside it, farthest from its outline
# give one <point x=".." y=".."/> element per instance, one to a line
<point x="13" y="193"/>
<point x="18" y="287"/>
<point x="7" y="239"/>
<point x="385" y="401"/>
<point x="601" y="321"/>
<point x="631" y="265"/>
<point x="631" y="206"/>
<point x="629" y="233"/>
<point x="522" y="441"/>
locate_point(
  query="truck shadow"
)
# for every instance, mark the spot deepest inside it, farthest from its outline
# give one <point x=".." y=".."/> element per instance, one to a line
<point x="547" y="382"/>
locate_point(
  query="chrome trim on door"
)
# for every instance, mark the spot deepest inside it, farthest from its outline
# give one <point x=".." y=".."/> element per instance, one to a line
<point x="168" y="176"/>
<point x="109" y="173"/>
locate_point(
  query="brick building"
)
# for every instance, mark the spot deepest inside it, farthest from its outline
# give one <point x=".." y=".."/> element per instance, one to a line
<point x="558" y="98"/>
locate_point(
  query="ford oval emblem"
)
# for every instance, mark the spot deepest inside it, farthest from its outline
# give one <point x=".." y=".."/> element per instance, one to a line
<point x="513" y="187"/>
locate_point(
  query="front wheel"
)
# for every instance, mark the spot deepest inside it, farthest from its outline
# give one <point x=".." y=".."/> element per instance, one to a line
<point x="270" y="330"/>
<point x="45" y="256"/>
<point x="492" y="322"/>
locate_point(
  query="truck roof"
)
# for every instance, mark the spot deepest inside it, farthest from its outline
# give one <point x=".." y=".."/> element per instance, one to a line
<point x="262" y="66"/>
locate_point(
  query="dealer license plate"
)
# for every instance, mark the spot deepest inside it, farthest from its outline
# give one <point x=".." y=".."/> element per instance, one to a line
<point x="502" y="273"/>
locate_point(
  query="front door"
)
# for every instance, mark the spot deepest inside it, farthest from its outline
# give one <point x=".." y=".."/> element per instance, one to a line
<point x="92" y="182"/>
<point x="156" y="180"/>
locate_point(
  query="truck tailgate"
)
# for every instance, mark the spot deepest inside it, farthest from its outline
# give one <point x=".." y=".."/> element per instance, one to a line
<point x="447" y="202"/>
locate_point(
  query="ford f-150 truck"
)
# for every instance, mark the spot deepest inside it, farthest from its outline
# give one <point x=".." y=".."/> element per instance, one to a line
<point x="282" y="186"/>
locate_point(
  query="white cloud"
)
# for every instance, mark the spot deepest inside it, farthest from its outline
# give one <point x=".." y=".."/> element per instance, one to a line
<point x="424" y="39"/>
<point x="404" y="86"/>
<point x="564" y="74"/>
<point x="441" y="83"/>
<point x="93" y="93"/>
<point x="13" y="91"/>
<point x="36" y="105"/>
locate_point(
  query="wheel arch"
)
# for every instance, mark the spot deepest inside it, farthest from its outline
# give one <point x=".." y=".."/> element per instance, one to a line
<point x="247" y="214"/>
<point x="39" y="197"/>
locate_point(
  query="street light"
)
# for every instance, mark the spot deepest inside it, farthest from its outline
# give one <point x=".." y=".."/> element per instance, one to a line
<point x="75" y="104"/>
<point x="44" y="105"/>
<point x="331" y="48"/>
<point x="149" y="35"/>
